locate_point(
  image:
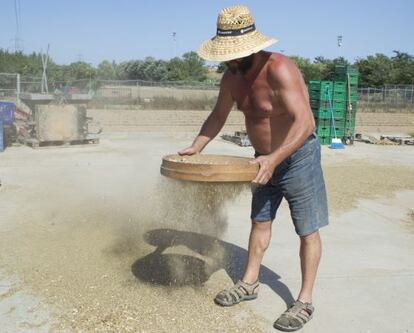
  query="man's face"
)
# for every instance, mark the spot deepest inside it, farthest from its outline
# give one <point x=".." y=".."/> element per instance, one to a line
<point x="241" y="65"/>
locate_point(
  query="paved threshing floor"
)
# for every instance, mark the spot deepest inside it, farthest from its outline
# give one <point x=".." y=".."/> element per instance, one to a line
<point x="93" y="238"/>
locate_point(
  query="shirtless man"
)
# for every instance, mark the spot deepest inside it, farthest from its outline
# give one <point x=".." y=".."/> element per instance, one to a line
<point x="269" y="89"/>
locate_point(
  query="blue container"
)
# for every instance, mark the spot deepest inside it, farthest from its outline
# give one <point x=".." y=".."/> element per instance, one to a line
<point x="7" y="110"/>
<point x="1" y="136"/>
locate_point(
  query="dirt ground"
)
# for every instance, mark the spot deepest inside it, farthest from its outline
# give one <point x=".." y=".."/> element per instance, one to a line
<point x="93" y="238"/>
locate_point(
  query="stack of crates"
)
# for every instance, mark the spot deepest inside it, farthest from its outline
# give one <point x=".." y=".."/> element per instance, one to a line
<point x="340" y="97"/>
<point x="349" y="75"/>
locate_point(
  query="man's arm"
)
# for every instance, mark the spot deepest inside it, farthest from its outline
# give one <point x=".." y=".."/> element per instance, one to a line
<point x="215" y="121"/>
<point x="292" y="97"/>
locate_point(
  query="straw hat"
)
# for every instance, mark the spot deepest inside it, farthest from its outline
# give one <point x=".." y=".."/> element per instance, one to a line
<point x="236" y="36"/>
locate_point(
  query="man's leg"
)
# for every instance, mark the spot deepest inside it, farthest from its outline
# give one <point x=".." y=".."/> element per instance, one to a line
<point x="302" y="310"/>
<point x="248" y="287"/>
<point x="310" y="255"/>
<point x="265" y="201"/>
<point x="304" y="188"/>
<point x="259" y="240"/>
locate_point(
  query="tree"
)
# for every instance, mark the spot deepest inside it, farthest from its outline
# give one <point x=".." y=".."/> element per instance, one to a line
<point x="80" y="70"/>
<point x="176" y="70"/>
<point x="402" y="68"/>
<point x="189" y="68"/>
<point x="194" y="66"/>
<point x="308" y="70"/>
<point x="375" y="71"/>
<point x="107" y="70"/>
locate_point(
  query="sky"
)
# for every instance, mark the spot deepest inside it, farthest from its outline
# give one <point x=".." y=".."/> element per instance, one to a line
<point x="122" y="30"/>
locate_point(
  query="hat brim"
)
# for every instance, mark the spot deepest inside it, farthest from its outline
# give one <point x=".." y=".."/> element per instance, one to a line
<point x="228" y="48"/>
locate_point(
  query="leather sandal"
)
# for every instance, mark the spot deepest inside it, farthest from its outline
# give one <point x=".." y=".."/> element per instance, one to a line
<point x="241" y="291"/>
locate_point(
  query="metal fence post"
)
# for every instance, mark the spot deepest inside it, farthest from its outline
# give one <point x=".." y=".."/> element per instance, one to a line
<point x="412" y="95"/>
<point x="368" y="99"/>
<point x="18" y="88"/>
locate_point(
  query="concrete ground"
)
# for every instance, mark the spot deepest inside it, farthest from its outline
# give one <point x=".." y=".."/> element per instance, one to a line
<point x="82" y="229"/>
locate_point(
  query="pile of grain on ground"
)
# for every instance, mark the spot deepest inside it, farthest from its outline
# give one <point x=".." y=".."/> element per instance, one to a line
<point x="352" y="181"/>
<point x="82" y="255"/>
<point x="95" y="235"/>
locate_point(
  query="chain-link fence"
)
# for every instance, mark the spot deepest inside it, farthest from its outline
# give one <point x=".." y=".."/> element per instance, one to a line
<point x="10" y="85"/>
<point x="391" y="98"/>
<point x="157" y="95"/>
<point x="182" y="94"/>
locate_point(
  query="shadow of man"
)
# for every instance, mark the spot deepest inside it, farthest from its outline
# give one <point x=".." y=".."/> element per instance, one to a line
<point x="181" y="270"/>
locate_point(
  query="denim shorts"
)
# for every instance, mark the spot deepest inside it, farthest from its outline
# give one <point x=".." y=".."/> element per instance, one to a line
<point x="298" y="179"/>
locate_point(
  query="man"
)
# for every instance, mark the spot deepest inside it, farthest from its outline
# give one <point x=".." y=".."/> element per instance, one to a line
<point x="269" y="89"/>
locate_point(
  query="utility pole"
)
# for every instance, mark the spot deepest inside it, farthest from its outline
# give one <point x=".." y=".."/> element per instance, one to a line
<point x="17" y="41"/>
<point x="174" y="37"/>
<point x="18" y="88"/>
<point x="339" y="41"/>
<point x="45" y="58"/>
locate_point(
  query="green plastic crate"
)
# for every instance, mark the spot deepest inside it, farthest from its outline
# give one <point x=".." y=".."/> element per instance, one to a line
<point x="353" y="88"/>
<point x="339" y="105"/>
<point x="325" y="140"/>
<point x="322" y="122"/>
<point x="321" y="113"/>
<point x="339" y="114"/>
<point x="340" y="131"/>
<point x="323" y="131"/>
<point x="318" y="95"/>
<point x="353" y="78"/>
<point x="339" y="123"/>
<point x="341" y="68"/>
<point x="319" y="103"/>
<point x="340" y="86"/>
<point x="320" y="85"/>
<point x="314" y="85"/>
<point x="339" y="96"/>
<point x="327" y="85"/>
<point x="345" y="69"/>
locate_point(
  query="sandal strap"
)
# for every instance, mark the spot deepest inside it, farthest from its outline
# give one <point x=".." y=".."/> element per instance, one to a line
<point x="249" y="289"/>
<point x="299" y="311"/>
<point x="297" y="315"/>
<point x="235" y="293"/>
<point x="298" y="307"/>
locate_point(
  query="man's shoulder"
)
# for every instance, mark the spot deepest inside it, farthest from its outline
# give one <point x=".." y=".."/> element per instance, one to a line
<point x="280" y="68"/>
<point x="278" y="62"/>
<point x="228" y="79"/>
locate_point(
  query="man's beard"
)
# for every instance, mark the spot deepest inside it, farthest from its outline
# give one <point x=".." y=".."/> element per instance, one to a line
<point x="241" y="67"/>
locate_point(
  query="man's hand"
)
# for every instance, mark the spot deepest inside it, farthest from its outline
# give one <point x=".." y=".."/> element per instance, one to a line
<point x="188" y="151"/>
<point x="267" y="167"/>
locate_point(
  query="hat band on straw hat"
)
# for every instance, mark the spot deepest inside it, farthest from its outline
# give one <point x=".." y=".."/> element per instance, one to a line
<point x="236" y="32"/>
